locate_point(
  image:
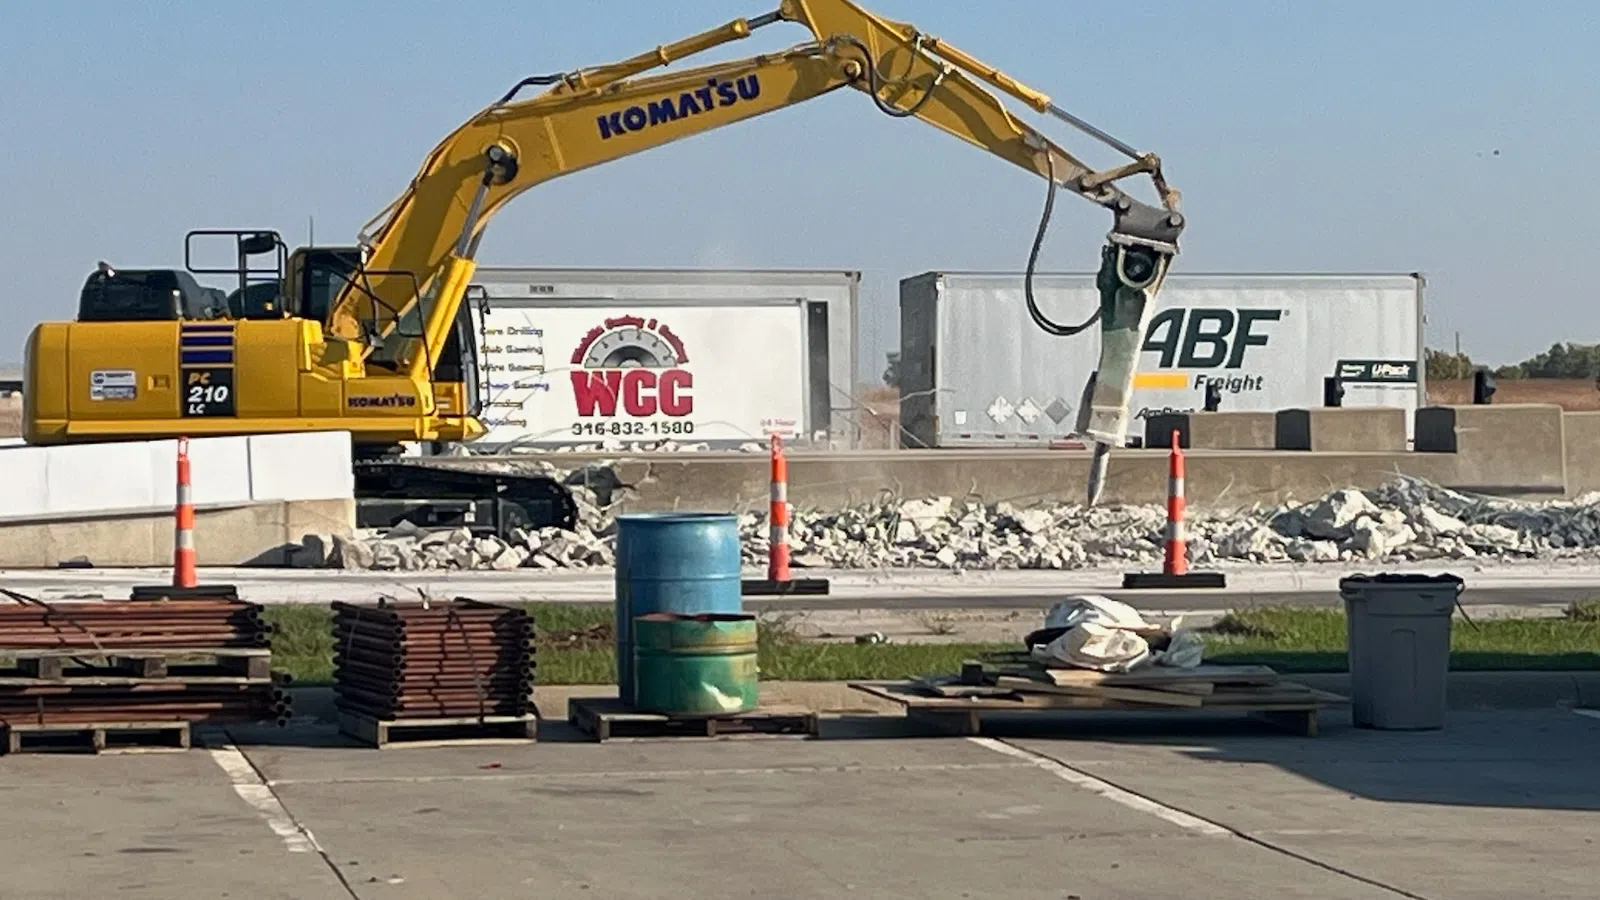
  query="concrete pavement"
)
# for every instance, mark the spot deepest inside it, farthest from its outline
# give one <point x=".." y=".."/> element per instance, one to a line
<point x="1530" y="583"/>
<point x="1092" y="807"/>
<point x="1496" y="806"/>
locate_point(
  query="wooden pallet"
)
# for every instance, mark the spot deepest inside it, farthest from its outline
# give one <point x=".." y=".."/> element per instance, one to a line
<point x="969" y="722"/>
<point x="953" y="706"/>
<point x="95" y="737"/>
<point x="607" y="718"/>
<point x="443" y="732"/>
<point x="245" y="663"/>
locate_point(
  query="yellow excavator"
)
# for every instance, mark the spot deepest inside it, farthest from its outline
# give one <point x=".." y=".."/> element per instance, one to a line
<point x="377" y="340"/>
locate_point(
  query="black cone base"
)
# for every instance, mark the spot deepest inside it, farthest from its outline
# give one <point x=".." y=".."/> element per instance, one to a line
<point x="1133" y="581"/>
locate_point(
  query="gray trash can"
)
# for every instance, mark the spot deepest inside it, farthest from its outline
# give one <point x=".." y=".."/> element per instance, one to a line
<point x="1398" y="627"/>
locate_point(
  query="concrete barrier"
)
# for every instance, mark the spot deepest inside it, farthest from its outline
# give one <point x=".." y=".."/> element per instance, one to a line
<point x="1216" y="479"/>
<point x="135" y="477"/>
<point x="1513" y="448"/>
<point x="1580" y="436"/>
<point x="1221" y="430"/>
<point x="256" y="497"/>
<point x="267" y="534"/>
<point x="1342" y="429"/>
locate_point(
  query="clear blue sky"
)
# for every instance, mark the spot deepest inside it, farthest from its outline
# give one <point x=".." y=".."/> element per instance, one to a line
<point x="1305" y="136"/>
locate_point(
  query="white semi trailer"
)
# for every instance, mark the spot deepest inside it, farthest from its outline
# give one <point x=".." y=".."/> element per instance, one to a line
<point x="976" y="372"/>
<point x="721" y="358"/>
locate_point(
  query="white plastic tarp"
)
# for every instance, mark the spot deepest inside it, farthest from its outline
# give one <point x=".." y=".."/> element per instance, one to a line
<point x="1105" y="635"/>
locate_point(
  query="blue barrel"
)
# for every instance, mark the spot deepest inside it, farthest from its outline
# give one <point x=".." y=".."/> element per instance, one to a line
<point x="673" y="562"/>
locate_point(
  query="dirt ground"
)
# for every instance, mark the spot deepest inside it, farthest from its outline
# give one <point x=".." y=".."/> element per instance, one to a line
<point x="1571" y="394"/>
<point x="10" y="417"/>
<point x="880" y="420"/>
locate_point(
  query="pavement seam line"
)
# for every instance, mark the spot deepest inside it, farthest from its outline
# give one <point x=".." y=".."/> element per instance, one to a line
<point x="1106" y="789"/>
<point x="252" y="787"/>
<point x="249" y="786"/>
<point x="1118" y="794"/>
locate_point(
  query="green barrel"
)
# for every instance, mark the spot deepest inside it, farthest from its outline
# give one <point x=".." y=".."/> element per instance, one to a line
<point x="695" y="665"/>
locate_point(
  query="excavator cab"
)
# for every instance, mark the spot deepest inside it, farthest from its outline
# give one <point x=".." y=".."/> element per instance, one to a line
<point x="306" y="282"/>
<point x="317" y="274"/>
<point x="315" y="277"/>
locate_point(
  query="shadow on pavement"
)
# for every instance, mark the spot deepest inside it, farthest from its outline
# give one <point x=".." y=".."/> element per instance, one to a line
<point x="1526" y="759"/>
<point x="1535" y="759"/>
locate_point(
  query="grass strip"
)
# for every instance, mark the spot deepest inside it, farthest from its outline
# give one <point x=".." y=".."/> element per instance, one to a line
<point x="575" y="645"/>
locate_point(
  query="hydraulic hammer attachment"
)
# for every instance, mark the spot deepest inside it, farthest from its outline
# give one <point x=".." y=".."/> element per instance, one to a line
<point x="1126" y="280"/>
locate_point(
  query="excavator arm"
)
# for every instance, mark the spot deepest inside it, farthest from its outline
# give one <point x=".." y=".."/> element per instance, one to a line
<point x="419" y="251"/>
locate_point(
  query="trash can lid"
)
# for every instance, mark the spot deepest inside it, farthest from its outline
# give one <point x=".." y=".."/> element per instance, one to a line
<point x="1360" y="581"/>
<point x="1398" y="578"/>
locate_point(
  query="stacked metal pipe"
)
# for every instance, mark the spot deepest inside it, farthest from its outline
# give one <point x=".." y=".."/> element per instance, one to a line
<point x="98" y="625"/>
<point x="66" y="668"/>
<point x="433" y="659"/>
<point x="174" y="702"/>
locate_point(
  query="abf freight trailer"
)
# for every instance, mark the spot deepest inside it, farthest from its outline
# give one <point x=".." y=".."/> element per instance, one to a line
<point x="644" y="357"/>
<point x="976" y="371"/>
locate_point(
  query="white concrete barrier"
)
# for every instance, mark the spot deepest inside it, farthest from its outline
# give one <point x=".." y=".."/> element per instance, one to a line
<point x="312" y="466"/>
<point x="139" y="477"/>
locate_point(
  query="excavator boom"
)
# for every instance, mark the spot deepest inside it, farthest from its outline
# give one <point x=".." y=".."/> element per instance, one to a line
<point x="594" y="116"/>
<point x="586" y="118"/>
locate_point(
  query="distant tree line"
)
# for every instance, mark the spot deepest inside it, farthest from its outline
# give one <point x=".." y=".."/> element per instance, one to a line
<point x="1566" y="360"/>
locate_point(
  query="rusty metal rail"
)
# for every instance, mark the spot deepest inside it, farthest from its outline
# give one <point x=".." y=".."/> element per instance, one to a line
<point x="99" y="661"/>
<point x="451" y="659"/>
<point x="101" y="625"/>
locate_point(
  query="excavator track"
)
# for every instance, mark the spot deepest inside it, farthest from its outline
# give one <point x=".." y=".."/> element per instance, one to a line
<point x="431" y="495"/>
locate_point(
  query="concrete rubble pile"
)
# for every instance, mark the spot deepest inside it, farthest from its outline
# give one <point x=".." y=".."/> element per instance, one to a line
<point x="1405" y="519"/>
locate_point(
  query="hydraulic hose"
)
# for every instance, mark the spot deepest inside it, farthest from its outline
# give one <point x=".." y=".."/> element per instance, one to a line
<point x="1039" y="318"/>
<point x="531" y="81"/>
<point x="875" y="82"/>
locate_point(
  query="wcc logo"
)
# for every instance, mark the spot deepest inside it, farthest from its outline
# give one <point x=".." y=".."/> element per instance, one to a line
<point x="633" y="364"/>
